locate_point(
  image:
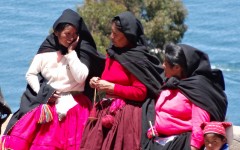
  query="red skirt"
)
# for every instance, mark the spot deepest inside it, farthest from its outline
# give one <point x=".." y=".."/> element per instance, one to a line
<point x="28" y="134"/>
<point x="125" y="132"/>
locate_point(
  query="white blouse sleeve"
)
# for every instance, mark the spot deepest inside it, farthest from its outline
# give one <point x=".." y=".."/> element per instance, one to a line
<point x="78" y="69"/>
<point x="31" y="75"/>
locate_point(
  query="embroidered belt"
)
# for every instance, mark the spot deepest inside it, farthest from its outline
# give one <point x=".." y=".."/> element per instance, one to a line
<point x="75" y="92"/>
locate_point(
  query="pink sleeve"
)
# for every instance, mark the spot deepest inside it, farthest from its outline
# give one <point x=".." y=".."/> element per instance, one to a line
<point x="198" y="117"/>
<point x="136" y="91"/>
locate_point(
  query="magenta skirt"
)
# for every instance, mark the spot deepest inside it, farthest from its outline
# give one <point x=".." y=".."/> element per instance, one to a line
<point x="28" y="134"/>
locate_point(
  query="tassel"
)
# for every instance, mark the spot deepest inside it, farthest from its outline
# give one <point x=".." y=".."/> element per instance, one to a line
<point x="3" y="144"/>
<point x="45" y="115"/>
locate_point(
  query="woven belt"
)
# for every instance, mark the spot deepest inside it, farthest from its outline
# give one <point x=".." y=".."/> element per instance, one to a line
<point x="75" y="92"/>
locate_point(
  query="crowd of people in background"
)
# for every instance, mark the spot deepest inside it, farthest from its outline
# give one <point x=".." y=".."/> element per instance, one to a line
<point x="78" y="98"/>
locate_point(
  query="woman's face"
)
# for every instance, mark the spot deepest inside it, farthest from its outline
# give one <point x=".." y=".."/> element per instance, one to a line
<point x="171" y="71"/>
<point x="118" y="38"/>
<point x="67" y="35"/>
<point x="213" y="142"/>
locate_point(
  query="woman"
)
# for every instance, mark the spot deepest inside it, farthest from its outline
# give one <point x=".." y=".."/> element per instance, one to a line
<point x="53" y="109"/>
<point x="192" y="94"/>
<point x="131" y="75"/>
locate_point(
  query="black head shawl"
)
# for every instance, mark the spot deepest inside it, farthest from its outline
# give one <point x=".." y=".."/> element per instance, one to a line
<point x="131" y="27"/>
<point x="137" y="59"/>
<point x="203" y="86"/>
<point x="86" y="49"/>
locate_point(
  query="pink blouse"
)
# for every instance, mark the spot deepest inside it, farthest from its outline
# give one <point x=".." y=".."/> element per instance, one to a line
<point x="175" y="114"/>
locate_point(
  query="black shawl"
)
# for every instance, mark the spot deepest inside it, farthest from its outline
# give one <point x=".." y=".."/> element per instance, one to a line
<point x="30" y="100"/>
<point x="87" y="53"/>
<point x="204" y="87"/>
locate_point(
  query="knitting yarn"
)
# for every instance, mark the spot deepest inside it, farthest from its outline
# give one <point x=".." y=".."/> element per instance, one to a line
<point x="107" y="121"/>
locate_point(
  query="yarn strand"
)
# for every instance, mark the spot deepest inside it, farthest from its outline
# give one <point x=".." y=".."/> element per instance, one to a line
<point x="45" y="115"/>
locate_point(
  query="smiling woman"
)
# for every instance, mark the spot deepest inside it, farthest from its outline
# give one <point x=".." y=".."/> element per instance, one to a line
<point x="55" y="99"/>
<point x="66" y="34"/>
<point x="33" y="24"/>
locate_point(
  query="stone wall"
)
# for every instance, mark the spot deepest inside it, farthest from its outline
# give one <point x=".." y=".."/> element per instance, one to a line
<point x="236" y="138"/>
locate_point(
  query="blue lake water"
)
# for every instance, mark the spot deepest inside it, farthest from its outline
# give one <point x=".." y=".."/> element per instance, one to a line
<point x="213" y="26"/>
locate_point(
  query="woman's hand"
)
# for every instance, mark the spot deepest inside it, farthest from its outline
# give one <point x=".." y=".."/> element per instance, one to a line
<point x="93" y="82"/>
<point x="73" y="45"/>
<point x="54" y="97"/>
<point x="103" y="85"/>
<point x="152" y="132"/>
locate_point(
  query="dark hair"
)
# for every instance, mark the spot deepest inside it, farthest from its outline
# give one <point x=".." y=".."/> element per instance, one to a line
<point x="217" y="135"/>
<point x="117" y="22"/>
<point x="61" y="26"/>
<point x="174" y="55"/>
